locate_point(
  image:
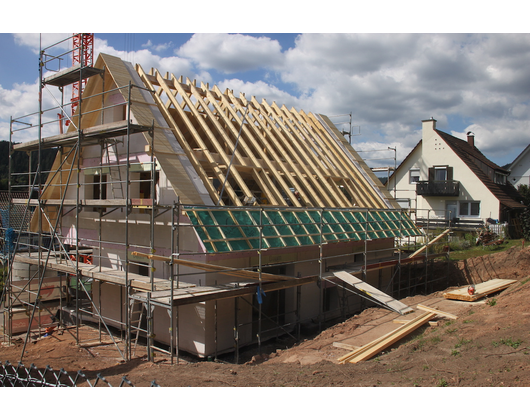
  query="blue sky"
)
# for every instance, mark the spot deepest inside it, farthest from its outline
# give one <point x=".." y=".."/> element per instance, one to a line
<point x="388" y="81"/>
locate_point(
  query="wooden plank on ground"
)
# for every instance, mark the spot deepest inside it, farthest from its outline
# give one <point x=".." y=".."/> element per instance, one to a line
<point x="377" y="294"/>
<point x="436" y="311"/>
<point x="404" y="321"/>
<point x="481" y="290"/>
<point x="378" y="345"/>
<point x="345" y="346"/>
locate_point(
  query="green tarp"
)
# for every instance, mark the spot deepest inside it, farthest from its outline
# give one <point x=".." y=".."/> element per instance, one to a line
<point x="224" y="229"/>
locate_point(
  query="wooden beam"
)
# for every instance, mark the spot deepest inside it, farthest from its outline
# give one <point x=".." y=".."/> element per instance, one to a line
<point x="436" y="311"/>
<point x="424" y="247"/>
<point x="177" y="132"/>
<point x="261" y="143"/>
<point x="227" y="271"/>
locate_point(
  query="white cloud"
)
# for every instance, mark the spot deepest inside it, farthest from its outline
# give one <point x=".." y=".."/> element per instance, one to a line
<point x="36" y="41"/>
<point x="232" y="53"/>
<point x="260" y="90"/>
<point x="159" y="47"/>
<point x="391" y="82"/>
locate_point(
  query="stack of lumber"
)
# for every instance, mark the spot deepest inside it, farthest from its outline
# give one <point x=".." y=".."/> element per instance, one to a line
<point x="371" y="349"/>
<point x="481" y="290"/>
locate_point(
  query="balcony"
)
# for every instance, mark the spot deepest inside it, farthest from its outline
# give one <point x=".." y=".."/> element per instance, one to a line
<point x="438" y="188"/>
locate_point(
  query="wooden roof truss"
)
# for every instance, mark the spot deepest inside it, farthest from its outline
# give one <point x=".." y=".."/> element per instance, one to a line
<point x="252" y="153"/>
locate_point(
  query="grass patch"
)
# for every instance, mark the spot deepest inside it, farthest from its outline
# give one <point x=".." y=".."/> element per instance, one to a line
<point x="507" y="342"/>
<point x="462" y="342"/>
<point x="479" y="251"/>
<point x="455" y="353"/>
<point x="491" y="302"/>
<point x="442" y="382"/>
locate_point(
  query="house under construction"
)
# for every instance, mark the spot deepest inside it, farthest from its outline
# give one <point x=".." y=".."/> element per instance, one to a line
<point x="192" y="218"/>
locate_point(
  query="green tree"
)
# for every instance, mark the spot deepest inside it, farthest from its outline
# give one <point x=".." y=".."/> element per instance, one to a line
<point x="524" y="190"/>
<point x="20" y="165"/>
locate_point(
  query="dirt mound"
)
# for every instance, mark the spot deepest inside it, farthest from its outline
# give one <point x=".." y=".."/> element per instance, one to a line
<point x="488" y="345"/>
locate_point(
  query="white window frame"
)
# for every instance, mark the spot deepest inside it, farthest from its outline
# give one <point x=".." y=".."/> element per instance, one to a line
<point x="438" y="168"/>
<point x="500" y="178"/>
<point x="404" y="203"/>
<point x="469" y="204"/>
<point x="411" y="177"/>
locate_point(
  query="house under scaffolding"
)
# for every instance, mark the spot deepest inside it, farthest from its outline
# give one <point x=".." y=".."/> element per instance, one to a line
<point x="195" y="219"/>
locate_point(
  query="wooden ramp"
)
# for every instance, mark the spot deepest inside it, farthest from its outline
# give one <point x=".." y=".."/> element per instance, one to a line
<point x="386" y="300"/>
<point x="481" y="290"/>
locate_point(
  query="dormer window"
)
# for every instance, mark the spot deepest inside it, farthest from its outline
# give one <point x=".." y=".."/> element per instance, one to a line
<point x="500" y="178"/>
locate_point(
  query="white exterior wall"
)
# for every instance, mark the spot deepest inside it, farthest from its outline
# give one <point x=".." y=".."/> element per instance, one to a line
<point x="433" y="151"/>
<point x="520" y="169"/>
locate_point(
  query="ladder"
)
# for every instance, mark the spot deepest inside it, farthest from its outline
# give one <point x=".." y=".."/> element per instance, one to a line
<point x="136" y="322"/>
<point x="114" y="171"/>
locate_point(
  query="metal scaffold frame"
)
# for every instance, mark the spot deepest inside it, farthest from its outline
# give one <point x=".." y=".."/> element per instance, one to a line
<point x="69" y="145"/>
<point x="51" y="249"/>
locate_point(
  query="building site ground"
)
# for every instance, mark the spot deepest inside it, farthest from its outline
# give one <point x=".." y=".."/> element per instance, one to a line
<point x="487" y="345"/>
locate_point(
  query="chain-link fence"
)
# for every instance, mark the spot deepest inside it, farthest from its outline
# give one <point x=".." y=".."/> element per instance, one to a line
<point x="22" y="376"/>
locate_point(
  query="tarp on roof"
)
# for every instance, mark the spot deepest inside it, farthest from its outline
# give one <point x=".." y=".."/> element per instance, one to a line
<point x="224" y="229"/>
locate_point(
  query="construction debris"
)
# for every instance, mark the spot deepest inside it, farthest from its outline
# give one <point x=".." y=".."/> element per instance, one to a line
<point x="486" y="238"/>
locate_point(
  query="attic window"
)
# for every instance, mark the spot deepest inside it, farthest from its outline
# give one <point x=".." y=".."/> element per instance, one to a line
<point x="500" y="178"/>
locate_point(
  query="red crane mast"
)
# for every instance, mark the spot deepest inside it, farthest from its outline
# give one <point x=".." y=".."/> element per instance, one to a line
<point x="83" y="54"/>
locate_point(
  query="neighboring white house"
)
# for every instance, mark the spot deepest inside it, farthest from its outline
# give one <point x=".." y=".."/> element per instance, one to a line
<point x="449" y="178"/>
<point x="520" y="168"/>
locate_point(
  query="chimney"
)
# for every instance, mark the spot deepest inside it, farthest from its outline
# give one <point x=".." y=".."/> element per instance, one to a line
<point x="471" y="138"/>
<point x="427" y="128"/>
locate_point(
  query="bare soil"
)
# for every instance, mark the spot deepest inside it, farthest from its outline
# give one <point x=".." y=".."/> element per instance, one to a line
<point x="488" y="345"/>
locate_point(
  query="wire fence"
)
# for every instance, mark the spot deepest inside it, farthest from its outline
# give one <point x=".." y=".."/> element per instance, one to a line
<point x="22" y="376"/>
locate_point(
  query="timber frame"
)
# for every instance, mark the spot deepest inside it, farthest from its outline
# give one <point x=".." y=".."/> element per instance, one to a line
<point x="290" y="183"/>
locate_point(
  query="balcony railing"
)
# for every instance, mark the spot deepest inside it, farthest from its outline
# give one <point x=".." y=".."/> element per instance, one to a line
<point x="438" y="188"/>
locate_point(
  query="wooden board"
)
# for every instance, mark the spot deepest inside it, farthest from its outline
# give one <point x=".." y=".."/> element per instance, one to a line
<point x="377" y="294"/>
<point x="481" y="290"/>
<point x="378" y="345"/>
<point x="436" y="311"/>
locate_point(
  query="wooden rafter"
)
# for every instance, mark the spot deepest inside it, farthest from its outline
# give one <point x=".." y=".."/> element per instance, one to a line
<point x="279" y="151"/>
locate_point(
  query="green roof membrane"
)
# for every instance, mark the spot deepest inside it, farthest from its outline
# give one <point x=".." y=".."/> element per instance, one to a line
<point x="225" y="229"/>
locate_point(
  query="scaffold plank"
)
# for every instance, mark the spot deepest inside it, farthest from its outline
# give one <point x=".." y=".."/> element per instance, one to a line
<point x="371" y="291"/>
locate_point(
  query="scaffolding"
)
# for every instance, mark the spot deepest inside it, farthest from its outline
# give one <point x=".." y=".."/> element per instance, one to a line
<point x="266" y="245"/>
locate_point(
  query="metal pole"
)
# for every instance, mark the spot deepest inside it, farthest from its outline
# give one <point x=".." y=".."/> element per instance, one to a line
<point x="128" y="350"/>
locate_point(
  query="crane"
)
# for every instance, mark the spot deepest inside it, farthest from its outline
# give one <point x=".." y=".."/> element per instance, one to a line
<point x="83" y="54"/>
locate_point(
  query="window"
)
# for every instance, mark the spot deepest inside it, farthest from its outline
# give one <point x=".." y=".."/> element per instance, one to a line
<point x="469" y="208"/>
<point x="99" y="188"/>
<point x="404" y="203"/>
<point x="440" y="174"/>
<point x="414" y="175"/>
<point x="500" y="178"/>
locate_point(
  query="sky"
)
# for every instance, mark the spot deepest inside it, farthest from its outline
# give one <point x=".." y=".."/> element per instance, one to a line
<point x="388" y="80"/>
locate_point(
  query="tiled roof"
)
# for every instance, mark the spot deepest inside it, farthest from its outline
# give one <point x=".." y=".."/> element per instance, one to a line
<point x="507" y="194"/>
